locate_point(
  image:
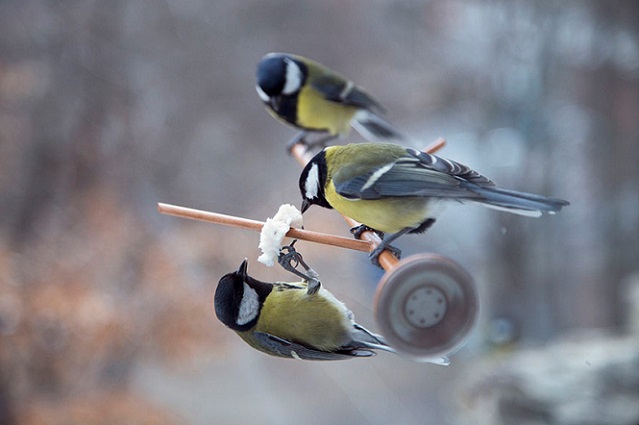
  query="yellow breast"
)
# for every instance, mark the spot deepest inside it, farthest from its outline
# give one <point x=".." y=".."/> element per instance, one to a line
<point x="317" y="320"/>
<point x="387" y="215"/>
<point x="314" y="112"/>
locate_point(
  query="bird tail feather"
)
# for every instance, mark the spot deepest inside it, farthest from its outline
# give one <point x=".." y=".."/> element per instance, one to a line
<point x="521" y="203"/>
<point x="375" y="128"/>
<point x="364" y="338"/>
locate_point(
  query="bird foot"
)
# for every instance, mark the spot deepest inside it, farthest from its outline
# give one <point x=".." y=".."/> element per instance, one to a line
<point x="298" y="138"/>
<point x="374" y="255"/>
<point x="358" y="230"/>
<point x="302" y="139"/>
<point x="291" y="259"/>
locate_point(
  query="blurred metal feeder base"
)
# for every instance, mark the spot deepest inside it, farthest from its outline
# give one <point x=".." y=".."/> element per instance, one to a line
<point x="426" y="306"/>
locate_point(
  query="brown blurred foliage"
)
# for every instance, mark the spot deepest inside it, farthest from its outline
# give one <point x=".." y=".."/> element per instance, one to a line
<point x="67" y="330"/>
<point x="99" y="409"/>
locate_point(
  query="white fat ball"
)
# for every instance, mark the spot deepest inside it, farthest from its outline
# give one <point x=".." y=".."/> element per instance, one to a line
<point x="272" y="236"/>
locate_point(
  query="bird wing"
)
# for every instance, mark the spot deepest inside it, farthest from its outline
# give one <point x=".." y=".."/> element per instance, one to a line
<point x="286" y="348"/>
<point x="341" y="90"/>
<point x="416" y="174"/>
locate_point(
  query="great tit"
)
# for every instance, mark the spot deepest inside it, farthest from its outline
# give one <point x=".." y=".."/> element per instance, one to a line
<point x="397" y="190"/>
<point x="313" y="98"/>
<point x="284" y="320"/>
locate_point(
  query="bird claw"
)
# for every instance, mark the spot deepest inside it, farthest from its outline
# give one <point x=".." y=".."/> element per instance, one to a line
<point x="298" y="138"/>
<point x="374" y="255"/>
<point x="291" y="260"/>
<point x="320" y="143"/>
<point x="358" y="230"/>
<point x="302" y="139"/>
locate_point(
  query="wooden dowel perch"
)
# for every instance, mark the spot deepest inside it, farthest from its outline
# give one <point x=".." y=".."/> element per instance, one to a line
<point x="245" y="223"/>
<point x="386" y="259"/>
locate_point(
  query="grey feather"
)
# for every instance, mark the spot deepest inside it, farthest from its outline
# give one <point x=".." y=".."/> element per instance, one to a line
<point x="336" y="89"/>
<point x="285" y="348"/>
<point x="373" y="127"/>
<point x="423" y="175"/>
<point x="363" y="338"/>
<point x="516" y="202"/>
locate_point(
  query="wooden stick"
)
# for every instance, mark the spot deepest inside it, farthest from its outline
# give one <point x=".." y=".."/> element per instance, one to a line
<point x="386" y="259"/>
<point x="245" y="223"/>
<point x="435" y="146"/>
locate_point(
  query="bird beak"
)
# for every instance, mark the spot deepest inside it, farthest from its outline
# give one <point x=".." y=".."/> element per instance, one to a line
<point x="242" y="270"/>
<point x="305" y="204"/>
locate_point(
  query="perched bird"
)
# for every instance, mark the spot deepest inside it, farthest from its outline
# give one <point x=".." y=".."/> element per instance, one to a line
<point x="396" y="190"/>
<point x="283" y="319"/>
<point x="313" y="98"/>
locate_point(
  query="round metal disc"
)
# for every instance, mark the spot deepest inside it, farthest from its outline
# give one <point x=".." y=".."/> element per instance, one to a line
<point x="426" y="306"/>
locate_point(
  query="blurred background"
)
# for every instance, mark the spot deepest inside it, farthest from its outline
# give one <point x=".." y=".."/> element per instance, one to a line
<point x="107" y="108"/>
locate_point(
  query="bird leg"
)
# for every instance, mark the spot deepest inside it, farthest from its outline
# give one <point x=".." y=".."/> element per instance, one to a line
<point x="298" y="138"/>
<point x="291" y="260"/>
<point x="302" y="139"/>
<point x="358" y="230"/>
<point x="321" y="143"/>
<point x="387" y="240"/>
<point x="357" y="234"/>
<point x="386" y="245"/>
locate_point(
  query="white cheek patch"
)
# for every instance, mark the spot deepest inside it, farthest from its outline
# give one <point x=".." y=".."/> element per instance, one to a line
<point x="376" y="175"/>
<point x="249" y="306"/>
<point x="265" y="97"/>
<point x="312" y="182"/>
<point x="293" y="77"/>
